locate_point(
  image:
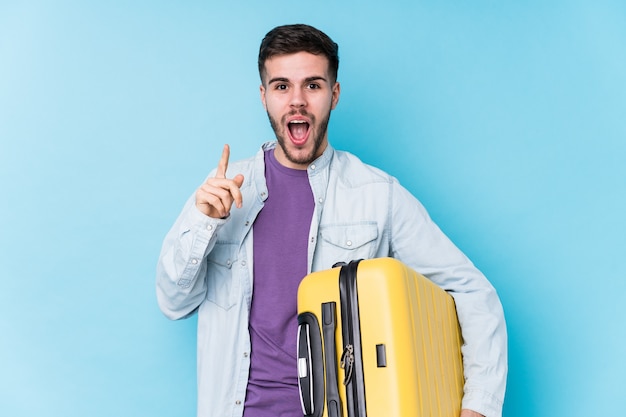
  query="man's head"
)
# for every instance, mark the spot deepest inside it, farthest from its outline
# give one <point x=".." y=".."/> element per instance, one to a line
<point x="299" y="88"/>
<point x="291" y="39"/>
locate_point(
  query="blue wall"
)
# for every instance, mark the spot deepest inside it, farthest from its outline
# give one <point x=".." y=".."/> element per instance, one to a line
<point x="507" y="119"/>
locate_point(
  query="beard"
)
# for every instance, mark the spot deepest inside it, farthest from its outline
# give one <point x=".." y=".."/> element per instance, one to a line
<point x="317" y="135"/>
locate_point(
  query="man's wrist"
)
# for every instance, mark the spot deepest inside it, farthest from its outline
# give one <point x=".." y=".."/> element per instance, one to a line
<point x="470" y="413"/>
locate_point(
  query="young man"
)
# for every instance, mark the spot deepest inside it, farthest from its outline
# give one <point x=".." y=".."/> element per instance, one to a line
<point x="255" y="228"/>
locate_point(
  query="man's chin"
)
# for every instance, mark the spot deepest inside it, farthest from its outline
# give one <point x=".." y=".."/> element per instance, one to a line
<point x="301" y="156"/>
<point x="297" y="157"/>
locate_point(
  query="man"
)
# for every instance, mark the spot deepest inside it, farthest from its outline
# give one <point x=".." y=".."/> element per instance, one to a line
<point x="242" y="243"/>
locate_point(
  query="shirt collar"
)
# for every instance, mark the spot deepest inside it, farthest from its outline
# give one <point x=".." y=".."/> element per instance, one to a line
<point x="321" y="163"/>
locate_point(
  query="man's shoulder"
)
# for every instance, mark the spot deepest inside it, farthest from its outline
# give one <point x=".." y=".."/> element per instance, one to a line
<point x="351" y="167"/>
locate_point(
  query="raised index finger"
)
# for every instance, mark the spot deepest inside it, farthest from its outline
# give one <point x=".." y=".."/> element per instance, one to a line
<point x="223" y="164"/>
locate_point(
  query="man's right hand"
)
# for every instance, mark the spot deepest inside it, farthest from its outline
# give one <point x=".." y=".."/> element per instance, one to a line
<point x="216" y="196"/>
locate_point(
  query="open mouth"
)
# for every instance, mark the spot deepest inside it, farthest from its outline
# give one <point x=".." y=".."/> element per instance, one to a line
<point x="298" y="131"/>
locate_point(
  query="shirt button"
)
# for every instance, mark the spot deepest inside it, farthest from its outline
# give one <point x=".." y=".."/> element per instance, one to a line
<point x="238" y="402"/>
<point x="228" y="262"/>
<point x="243" y="263"/>
<point x="349" y="243"/>
<point x="209" y="227"/>
<point x="194" y="261"/>
<point x="321" y="200"/>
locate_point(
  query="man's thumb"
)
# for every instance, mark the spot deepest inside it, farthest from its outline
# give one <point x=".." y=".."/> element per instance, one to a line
<point x="238" y="180"/>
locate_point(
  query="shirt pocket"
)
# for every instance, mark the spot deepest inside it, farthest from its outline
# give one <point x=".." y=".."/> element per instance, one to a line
<point x="348" y="241"/>
<point x="222" y="284"/>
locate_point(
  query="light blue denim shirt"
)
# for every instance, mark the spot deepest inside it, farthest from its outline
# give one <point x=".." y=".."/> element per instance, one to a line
<point x="205" y="266"/>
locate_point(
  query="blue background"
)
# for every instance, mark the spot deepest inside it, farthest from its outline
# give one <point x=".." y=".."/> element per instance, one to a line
<point x="506" y="119"/>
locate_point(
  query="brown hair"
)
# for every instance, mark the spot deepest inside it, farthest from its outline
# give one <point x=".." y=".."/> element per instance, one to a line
<point x="291" y="39"/>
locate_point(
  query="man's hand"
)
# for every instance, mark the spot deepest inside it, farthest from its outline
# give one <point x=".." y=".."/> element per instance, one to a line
<point x="216" y="196"/>
<point x="470" y="413"/>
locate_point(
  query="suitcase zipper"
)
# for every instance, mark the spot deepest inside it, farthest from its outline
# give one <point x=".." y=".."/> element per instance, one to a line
<point x="351" y="359"/>
<point x="347" y="363"/>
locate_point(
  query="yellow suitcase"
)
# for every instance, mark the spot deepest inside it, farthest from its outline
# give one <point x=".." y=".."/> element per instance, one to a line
<point x="375" y="338"/>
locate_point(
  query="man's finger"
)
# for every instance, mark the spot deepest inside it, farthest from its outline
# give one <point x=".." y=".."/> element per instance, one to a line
<point x="223" y="164"/>
<point x="236" y="193"/>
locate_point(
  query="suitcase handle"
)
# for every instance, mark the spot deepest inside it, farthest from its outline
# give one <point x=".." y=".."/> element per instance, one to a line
<point x="329" y="326"/>
<point x="310" y="366"/>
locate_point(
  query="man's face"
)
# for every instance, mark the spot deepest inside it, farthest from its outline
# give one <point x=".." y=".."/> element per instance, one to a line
<point x="298" y="93"/>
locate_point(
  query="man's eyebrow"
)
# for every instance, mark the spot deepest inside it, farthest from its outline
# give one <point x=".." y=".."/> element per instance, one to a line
<point x="314" y="78"/>
<point x="278" y="80"/>
<point x="306" y="80"/>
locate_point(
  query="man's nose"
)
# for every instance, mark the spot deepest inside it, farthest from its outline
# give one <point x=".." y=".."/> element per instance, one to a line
<point x="298" y="99"/>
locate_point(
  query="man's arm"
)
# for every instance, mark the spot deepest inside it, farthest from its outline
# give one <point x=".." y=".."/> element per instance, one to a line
<point x="181" y="268"/>
<point x="419" y="243"/>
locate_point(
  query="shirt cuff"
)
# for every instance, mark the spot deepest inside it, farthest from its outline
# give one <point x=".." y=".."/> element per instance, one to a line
<point x="482" y="402"/>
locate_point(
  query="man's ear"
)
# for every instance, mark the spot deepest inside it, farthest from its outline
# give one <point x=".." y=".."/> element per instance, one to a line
<point x="262" y="91"/>
<point x="336" y="93"/>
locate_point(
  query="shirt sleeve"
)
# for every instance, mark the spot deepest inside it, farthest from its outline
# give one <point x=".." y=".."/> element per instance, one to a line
<point x="181" y="268"/>
<point x="417" y="241"/>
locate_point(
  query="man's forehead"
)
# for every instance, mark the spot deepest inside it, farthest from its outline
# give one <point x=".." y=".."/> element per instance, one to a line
<point x="297" y="66"/>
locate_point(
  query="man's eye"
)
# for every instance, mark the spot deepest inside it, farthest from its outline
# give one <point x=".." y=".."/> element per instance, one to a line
<point x="314" y="86"/>
<point x="281" y="86"/>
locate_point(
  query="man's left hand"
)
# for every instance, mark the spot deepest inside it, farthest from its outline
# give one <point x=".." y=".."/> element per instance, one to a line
<point x="470" y="413"/>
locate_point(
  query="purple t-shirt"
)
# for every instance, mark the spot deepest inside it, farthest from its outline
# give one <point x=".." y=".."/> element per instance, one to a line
<point x="281" y="233"/>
